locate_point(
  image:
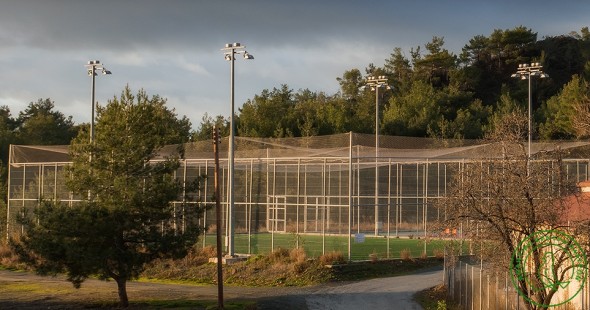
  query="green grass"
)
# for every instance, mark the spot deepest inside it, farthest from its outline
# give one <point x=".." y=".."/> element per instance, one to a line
<point x="315" y="245"/>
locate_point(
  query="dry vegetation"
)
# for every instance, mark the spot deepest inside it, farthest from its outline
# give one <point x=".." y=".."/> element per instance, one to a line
<point x="282" y="267"/>
<point x="8" y="258"/>
<point x="405" y="254"/>
<point x="435" y="298"/>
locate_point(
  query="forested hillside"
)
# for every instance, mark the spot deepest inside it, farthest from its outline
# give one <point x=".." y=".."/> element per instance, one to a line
<point x="435" y="92"/>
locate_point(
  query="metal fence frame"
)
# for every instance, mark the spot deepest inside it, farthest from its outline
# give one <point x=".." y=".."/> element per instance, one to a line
<point x="327" y="196"/>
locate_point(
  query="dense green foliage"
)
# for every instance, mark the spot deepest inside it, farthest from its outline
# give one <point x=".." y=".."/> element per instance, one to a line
<point x="126" y="217"/>
<point x="435" y="92"/>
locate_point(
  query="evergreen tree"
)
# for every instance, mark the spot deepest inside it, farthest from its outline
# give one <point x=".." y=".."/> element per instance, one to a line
<point x="126" y="217"/>
<point x="560" y="111"/>
<point x="40" y="124"/>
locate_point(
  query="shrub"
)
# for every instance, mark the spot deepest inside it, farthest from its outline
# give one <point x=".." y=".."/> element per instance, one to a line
<point x="8" y="258"/>
<point x="298" y="255"/>
<point x="208" y="251"/>
<point x="300" y="267"/>
<point x="438" y="253"/>
<point x="279" y="255"/>
<point x="405" y="254"/>
<point x="331" y="258"/>
<point x="374" y="256"/>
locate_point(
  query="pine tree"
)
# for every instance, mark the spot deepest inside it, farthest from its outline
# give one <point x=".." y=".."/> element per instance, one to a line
<point x="126" y="217"/>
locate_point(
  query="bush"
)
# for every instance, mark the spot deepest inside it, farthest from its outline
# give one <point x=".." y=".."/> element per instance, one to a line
<point x="300" y="267"/>
<point x="9" y="259"/>
<point x="405" y="254"/>
<point x="374" y="256"/>
<point x="332" y="258"/>
<point x="438" y="253"/>
<point x="208" y="251"/>
<point x="279" y="255"/>
<point x="298" y="255"/>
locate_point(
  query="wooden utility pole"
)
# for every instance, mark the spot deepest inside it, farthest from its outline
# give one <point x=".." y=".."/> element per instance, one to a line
<point x="216" y="141"/>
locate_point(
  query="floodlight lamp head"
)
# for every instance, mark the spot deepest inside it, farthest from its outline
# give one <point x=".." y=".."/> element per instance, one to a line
<point x="515" y="75"/>
<point x="105" y="71"/>
<point x="90" y="72"/>
<point x="94" y="62"/>
<point x="544" y="75"/>
<point x="228" y="57"/>
<point x="382" y="77"/>
<point x="248" y="55"/>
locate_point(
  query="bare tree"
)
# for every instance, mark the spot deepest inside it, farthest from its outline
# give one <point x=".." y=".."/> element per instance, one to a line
<point x="512" y="205"/>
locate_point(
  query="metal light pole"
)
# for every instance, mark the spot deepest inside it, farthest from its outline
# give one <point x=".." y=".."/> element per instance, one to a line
<point x="93" y="66"/>
<point x="230" y="50"/>
<point x="216" y="142"/>
<point x="375" y="83"/>
<point x="526" y="72"/>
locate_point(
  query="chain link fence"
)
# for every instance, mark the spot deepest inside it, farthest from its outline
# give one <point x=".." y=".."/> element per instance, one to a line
<point x="328" y="193"/>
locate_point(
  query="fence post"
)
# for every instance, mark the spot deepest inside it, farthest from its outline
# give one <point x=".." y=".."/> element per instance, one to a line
<point x="496" y="302"/>
<point x="444" y="265"/>
<point x="472" y="287"/>
<point x="480" y="288"/>
<point x="466" y="285"/>
<point x="460" y="285"/>
<point x="488" y="295"/>
<point x="506" y="291"/>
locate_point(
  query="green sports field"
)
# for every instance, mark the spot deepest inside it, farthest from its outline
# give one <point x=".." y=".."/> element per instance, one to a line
<point x="315" y="245"/>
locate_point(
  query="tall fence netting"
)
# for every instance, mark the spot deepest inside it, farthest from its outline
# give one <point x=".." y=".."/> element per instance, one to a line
<point x="326" y="193"/>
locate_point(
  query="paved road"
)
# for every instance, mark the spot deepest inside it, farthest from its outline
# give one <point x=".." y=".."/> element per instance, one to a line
<point x="384" y="293"/>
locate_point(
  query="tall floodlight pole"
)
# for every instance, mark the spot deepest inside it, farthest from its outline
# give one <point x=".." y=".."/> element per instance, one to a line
<point x="216" y="141"/>
<point x="376" y="83"/>
<point x="527" y="72"/>
<point x="230" y="50"/>
<point x="93" y="66"/>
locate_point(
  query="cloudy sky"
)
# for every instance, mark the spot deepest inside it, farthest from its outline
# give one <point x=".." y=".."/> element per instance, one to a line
<point x="173" y="48"/>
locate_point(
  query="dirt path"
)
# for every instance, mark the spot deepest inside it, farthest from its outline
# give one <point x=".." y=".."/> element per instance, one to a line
<point x="20" y="290"/>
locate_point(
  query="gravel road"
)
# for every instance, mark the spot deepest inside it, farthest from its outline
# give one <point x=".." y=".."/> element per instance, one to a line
<point x="35" y="292"/>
